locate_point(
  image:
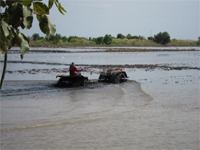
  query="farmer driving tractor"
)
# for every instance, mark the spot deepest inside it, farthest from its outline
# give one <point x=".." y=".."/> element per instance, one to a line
<point x="74" y="71"/>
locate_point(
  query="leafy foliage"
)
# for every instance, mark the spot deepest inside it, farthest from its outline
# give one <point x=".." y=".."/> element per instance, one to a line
<point x="72" y="37"/>
<point x="19" y="14"/>
<point x="108" y="39"/>
<point x="36" y="36"/>
<point x="99" y="40"/>
<point x="55" y="38"/>
<point x="162" y="38"/>
<point x="135" y="37"/>
<point x="128" y="36"/>
<point x="120" y="36"/>
<point x="64" y="38"/>
<point x="150" y="38"/>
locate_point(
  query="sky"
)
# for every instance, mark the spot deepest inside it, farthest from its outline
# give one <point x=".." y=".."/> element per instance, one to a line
<point x="95" y="18"/>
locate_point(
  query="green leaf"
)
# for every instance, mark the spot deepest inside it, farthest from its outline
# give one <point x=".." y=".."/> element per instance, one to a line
<point x="50" y="3"/>
<point x="60" y="8"/>
<point x="6" y="16"/>
<point x="15" y="13"/>
<point x="52" y="27"/>
<point x="27" y="39"/>
<point x="27" y="2"/>
<point x="40" y="8"/>
<point x="13" y="40"/>
<point x="38" y="17"/>
<point x="4" y="71"/>
<point x="1" y="55"/>
<point x="63" y="9"/>
<point x="3" y="47"/>
<point x="47" y="26"/>
<point x="17" y="39"/>
<point x="24" y="46"/>
<point x="44" y="25"/>
<point x="10" y="40"/>
<point x="4" y="40"/>
<point x="28" y="17"/>
<point x="6" y="36"/>
<point x="12" y="33"/>
<point x="5" y="28"/>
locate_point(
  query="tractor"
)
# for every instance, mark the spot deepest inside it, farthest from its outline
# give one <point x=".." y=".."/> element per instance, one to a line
<point x="113" y="75"/>
<point x="71" y="81"/>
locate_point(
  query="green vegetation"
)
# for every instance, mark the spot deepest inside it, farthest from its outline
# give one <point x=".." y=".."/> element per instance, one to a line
<point x="150" y="38"/>
<point x="198" y="41"/>
<point x="108" y="39"/>
<point x="175" y="42"/>
<point x="62" y="41"/>
<point x="134" y="42"/>
<point x="120" y="36"/>
<point x="162" y="38"/>
<point x="17" y="14"/>
<point x="98" y="40"/>
<point x="129" y="36"/>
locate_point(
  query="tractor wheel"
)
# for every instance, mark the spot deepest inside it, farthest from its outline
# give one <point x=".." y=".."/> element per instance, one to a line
<point x="76" y="84"/>
<point x="84" y="82"/>
<point x="119" y="78"/>
<point x="60" y="83"/>
<point x="102" y="78"/>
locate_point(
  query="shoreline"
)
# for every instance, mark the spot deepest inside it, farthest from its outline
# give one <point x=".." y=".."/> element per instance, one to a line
<point x="100" y="46"/>
<point x="93" y="49"/>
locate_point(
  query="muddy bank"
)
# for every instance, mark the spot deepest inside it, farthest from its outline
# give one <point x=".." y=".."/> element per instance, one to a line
<point x="146" y="50"/>
<point x="106" y="50"/>
<point x="93" y="68"/>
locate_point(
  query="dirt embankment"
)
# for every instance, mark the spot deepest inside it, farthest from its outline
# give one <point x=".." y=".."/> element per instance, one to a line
<point x="102" y="49"/>
<point x="145" y="50"/>
<point x="94" y="68"/>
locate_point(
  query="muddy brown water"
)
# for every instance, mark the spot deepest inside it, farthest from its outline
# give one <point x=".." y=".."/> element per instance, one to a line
<point x="155" y="109"/>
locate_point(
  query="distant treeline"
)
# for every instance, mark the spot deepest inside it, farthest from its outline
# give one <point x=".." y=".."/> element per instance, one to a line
<point x="162" y="38"/>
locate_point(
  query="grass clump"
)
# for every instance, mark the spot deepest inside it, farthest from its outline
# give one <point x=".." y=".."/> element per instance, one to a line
<point x="176" y="42"/>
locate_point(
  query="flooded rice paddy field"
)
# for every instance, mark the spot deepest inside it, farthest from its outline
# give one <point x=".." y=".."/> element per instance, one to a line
<point x="157" y="108"/>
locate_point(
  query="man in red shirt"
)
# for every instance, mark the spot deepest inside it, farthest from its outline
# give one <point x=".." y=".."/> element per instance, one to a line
<point x="73" y="70"/>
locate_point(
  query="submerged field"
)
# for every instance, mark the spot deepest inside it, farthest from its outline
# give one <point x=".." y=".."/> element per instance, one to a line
<point x="157" y="108"/>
